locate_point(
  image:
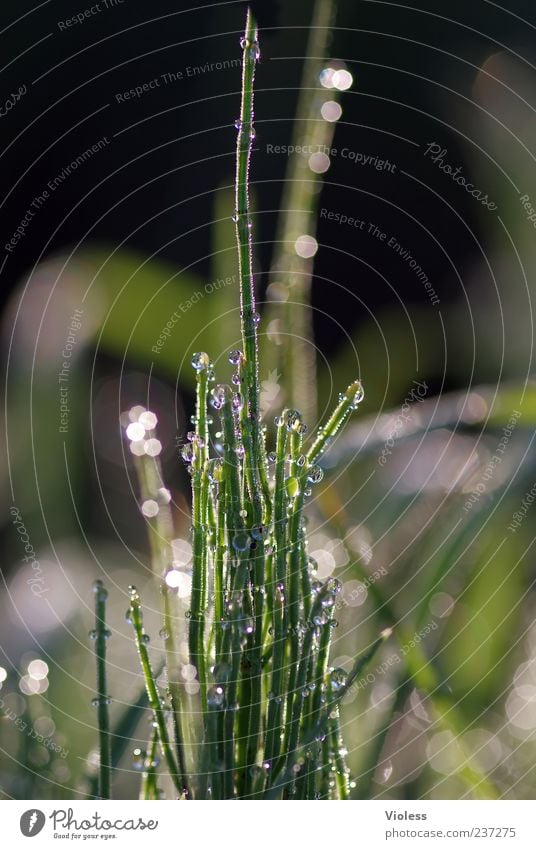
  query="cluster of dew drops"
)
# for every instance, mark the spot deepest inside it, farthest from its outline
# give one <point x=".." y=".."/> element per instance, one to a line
<point x="291" y="420"/>
<point x="242" y="540"/>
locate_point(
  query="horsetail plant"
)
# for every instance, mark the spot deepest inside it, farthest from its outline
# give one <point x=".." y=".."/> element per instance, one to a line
<point x="257" y="714"/>
<point x="100" y="635"/>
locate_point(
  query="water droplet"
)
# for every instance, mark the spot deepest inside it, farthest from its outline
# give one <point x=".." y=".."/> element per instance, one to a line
<point x="152" y="447"/>
<point x="145" y="638"/>
<point x="338" y="679"/>
<point x="163" y="634"/>
<point x="256" y="318"/>
<point x="219" y="395"/>
<point x="292" y="487"/>
<point x="101" y="700"/>
<point x="93" y="635"/>
<point x="331" y="111"/>
<point x="241" y="541"/>
<point x="279" y="421"/>
<point x="148" y="420"/>
<point x="150" y="508"/>
<point x="253" y="133"/>
<point x="135" y="431"/>
<point x="234" y="218"/>
<point x="272" y="457"/>
<point x="235" y="357"/>
<point x="293" y="419"/>
<point x="215" y="697"/>
<point x="243" y="514"/>
<point x="301" y="460"/>
<point x="138" y="759"/>
<point x="358" y="396"/>
<point x="247" y="626"/>
<point x="99" y="589"/>
<point x="315" y="474"/>
<point x="259" y="533"/>
<point x="319" y="620"/>
<point x="328" y="600"/>
<point x="238" y="124"/>
<point x="306" y="246"/>
<point x="342" y="79"/>
<point x="163" y="495"/>
<point x="200" y="361"/>
<point x="187" y="453"/>
<point x="333" y="585"/>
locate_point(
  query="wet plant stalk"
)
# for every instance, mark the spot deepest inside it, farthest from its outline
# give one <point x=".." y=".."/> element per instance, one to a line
<point x="155" y="701"/>
<point x="199" y="531"/>
<point x="249" y="546"/>
<point x="279" y="606"/>
<point x="160" y="529"/>
<point x="293" y="354"/>
<point x="101" y="636"/>
<point x="149" y="789"/>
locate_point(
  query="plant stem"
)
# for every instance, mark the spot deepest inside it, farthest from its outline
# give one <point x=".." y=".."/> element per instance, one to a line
<point x="349" y="401"/>
<point x="199" y="529"/>
<point x="160" y="529"/>
<point x="254" y="459"/>
<point x="101" y="637"/>
<point x="279" y="607"/>
<point x="248" y="315"/>
<point x="155" y="701"/>
<point x="149" y="788"/>
<point x="295" y="354"/>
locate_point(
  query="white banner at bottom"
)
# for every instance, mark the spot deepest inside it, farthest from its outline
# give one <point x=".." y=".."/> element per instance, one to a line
<point x="257" y="825"/>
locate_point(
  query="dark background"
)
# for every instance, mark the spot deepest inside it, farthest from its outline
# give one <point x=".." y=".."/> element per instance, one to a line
<point x="178" y="141"/>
